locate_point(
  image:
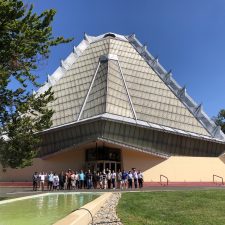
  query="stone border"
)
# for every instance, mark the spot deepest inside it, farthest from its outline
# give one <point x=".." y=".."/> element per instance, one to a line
<point x="82" y="217"/>
<point x="107" y="213"/>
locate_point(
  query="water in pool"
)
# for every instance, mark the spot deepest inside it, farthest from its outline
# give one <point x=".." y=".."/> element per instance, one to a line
<point x="43" y="210"/>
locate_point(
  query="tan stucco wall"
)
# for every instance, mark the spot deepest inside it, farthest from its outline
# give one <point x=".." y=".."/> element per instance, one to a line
<point x="139" y="160"/>
<point x="73" y="159"/>
<point x="176" y="168"/>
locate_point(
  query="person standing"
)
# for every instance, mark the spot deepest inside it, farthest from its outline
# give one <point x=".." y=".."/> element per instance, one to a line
<point x="135" y="176"/>
<point x="104" y="178"/>
<point x="55" y="181"/>
<point x="101" y="180"/>
<point x="89" y="179"/>
<point x="81" y="179"/>
<point x="130" y="177"/>
<point x="73" y="181"/>
<point x="98" y="179"/>
<point x="42" y="181"/>
<point x="50" y="181"/>
<point x="119" y="179"/>
<point x="61" y="180"/>
<point x="109" y="179"/>
<point x="77" y="179"/>
<point x="95" y="179"/>
<point x="113" y="179"/>
<point x="65" y="181"/>
<point x="85" y="179"/>
<point x="140" y="179"/>
<point x="35" y="181"/>
<point x="68" y="174"/>
<point x="124" y="179"/>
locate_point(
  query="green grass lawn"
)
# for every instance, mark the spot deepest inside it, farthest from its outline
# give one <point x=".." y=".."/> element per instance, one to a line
<point x="205" y="207"/>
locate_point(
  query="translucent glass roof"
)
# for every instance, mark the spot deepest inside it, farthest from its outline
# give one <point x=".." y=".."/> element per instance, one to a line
<point x="116" y="75"/>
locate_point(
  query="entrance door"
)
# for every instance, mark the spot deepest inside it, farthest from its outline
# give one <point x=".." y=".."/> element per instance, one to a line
<point x="100" y="166"/>
<point x="107" y="165"/>
<point x="113" y="166"/>
<point x="104" y="165"/>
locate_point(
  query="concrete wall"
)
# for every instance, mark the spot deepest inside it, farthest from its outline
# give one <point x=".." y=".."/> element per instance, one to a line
<point x="73" y="159"/>
<point x="176" y="168"/>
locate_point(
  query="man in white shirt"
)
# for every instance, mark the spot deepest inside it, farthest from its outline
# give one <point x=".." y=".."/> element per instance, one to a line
<point x="50" y="180"/>
<point x="42" y="180"/>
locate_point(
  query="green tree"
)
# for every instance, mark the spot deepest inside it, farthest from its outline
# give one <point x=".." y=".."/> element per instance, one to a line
<point x="220" y="119"/>
<point x="25" y="40"/>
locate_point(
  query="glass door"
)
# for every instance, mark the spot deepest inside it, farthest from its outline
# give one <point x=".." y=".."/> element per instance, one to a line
<point x="118" y="167"/>
<point x="107" y="166"/>
<point x="100" y="166"/>
<point x="113" y="166"/>
<point x="103" y="165"/>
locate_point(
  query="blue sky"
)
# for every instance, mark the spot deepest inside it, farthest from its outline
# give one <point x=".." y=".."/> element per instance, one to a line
<point x="187" y="36"/>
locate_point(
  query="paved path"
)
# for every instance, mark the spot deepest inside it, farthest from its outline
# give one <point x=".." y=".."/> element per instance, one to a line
<point x="10" y="192"/>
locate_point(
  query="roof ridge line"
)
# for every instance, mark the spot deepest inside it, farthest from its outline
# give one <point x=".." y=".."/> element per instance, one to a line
<point x="178" y="91"/>
<point x="64" y="66"/>
<point x="107" y="84"/>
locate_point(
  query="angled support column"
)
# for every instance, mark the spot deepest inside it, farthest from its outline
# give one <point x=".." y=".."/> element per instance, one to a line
<point x="128" y="94"/>
<point x="89" y="90"/>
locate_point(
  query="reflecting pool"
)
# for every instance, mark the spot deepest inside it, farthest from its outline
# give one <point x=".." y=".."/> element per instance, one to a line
<point x="42" y="210"/>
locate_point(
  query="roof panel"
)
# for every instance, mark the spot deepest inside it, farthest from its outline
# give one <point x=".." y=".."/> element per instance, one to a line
<point x="135" y="86"/>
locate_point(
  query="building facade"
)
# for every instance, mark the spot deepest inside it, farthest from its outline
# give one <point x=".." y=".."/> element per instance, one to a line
<point x="116" y="107"/>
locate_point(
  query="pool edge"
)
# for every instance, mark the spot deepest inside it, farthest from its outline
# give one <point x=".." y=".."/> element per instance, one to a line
<point x="82" y="217"/>
<point x="22" y="198"/>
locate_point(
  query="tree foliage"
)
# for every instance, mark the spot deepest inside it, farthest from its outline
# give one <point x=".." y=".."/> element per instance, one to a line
<point x="220" y="119"/>
<point x="25" y="40"/>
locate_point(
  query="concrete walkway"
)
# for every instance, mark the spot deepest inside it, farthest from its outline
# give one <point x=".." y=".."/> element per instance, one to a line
<point x="12" y="192"/>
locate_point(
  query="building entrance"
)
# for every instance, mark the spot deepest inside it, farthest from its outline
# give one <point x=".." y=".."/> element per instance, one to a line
<point x="103" y="158"/>
<point x="103" y="165"/>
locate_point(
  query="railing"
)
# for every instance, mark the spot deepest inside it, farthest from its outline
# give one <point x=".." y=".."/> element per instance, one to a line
<point x="89" y="213"/>
<point x="217" y="177"/>
<point x="167" y="180"/>
<point x="92" y="219"/>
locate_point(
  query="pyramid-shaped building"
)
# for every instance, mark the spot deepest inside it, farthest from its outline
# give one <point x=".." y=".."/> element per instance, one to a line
<point x="116" y="107"/>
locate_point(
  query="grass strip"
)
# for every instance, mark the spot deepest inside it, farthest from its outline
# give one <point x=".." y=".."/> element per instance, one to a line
<point x="205" y="207"/>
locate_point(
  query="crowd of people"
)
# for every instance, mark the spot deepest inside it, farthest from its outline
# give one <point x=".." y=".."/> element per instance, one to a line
<point x="71" y="180"/>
